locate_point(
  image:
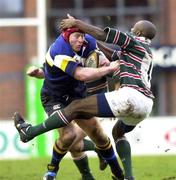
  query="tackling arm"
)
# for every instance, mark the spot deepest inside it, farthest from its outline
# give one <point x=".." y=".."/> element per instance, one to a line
<point x="95" y="31"/>
<point x="110" y="53"/>
<point x="88" y="74"/>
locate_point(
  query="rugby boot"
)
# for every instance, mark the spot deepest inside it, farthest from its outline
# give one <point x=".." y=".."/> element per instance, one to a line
<point x="22" y="127"/>
<point x="118" y="178"/>
<point x="49" y="176"/>
<point x="51" y="173"/>
<point x="87" y="176"/>
<point x="129" y="178"/>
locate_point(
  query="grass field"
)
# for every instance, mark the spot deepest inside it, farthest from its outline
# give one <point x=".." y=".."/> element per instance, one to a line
<point x="145" y="168"/>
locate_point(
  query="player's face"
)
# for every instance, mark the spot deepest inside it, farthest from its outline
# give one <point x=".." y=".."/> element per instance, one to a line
<point x="136" y="29"/>
<point x="76" y="41"/>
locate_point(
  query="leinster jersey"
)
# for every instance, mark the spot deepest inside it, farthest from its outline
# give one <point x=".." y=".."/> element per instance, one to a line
<point x="60" y="65"/>
<point x="135" y="60"/>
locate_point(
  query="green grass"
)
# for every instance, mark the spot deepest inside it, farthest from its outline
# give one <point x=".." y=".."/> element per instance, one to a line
<point x="145" y="168"/>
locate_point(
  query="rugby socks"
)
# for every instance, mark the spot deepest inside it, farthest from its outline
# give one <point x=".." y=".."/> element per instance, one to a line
<point x="108" y="154"/>
<point x="83" y="167"/>
<point x="124" y="151"/>
<point x="88" y="145"/>
<point x="57" y="156"/>
<point x="56" y="120"/>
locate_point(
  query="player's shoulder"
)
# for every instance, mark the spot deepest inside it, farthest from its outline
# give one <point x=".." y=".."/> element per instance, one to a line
<point x="90" y="44"/>
<point x="59" y="42"/>
<point x="90" y="39"/>
<point x="60" y="47"/>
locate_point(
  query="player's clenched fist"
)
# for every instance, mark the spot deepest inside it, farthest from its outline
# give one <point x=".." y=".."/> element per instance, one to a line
<point x="36" y="72"/>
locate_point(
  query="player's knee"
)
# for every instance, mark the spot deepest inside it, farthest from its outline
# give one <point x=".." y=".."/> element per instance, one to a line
<point x="117" y="132"/>
<point x="76" y="148"/>
<point x="67" y="138"/>
<point x="76" y="154"/>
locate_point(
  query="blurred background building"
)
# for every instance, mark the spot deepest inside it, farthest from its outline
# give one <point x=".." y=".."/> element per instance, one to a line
<point x="28" y="27"/>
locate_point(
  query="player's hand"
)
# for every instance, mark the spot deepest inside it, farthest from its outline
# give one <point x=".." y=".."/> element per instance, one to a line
<point x="115" y="65"/>
<point x="67" y="23"/>
<point x="103" y="61"/>
<point x="36" y="72"/>
<point x="32" y="71"/>
<point x="70" y="17"/>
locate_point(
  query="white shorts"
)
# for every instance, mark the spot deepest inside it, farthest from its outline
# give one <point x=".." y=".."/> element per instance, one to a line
<point x="129" y="104"/>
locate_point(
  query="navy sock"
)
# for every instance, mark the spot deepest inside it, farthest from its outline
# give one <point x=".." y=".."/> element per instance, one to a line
<point x="108" y="154"/>
<point x="57" y="156"/>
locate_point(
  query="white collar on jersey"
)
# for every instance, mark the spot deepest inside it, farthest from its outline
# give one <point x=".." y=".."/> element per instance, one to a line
<point x="143" y="39"/>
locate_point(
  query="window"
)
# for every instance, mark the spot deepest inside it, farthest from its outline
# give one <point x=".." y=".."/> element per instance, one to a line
<point x="11" y="8"/>
<point x="62" y="4"/>
<point x="99" y="3"/>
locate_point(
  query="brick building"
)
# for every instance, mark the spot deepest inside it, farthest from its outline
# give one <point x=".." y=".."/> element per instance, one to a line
<point x="19" y="43"/>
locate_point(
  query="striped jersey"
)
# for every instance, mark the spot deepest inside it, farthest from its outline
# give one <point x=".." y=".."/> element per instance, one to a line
<point x="97" y="86"/>
<point x="135" y="60"/>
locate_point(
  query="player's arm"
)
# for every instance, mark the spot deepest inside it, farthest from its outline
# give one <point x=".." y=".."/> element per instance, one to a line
<point x="110" y="53"/>
<point x="95" y="31"/>
<point x="106" y="50"/>
<point x="70" y="66"/>
<point x="88" y="74"/>
<point x="36" y="72"/>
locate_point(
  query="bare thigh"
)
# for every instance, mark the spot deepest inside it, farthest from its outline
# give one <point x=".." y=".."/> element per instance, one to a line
<point x="80" y="134"/>
<point x="94" y="130"/>
<point x="71" y="137"/>
<point x="67" y="135"/>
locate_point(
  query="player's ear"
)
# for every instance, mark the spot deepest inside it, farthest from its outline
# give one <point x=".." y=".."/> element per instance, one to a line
<point x="138" y="33"/>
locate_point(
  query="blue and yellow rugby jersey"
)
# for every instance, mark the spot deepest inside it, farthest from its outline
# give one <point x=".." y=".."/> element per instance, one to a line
<point x="60" y="66"/>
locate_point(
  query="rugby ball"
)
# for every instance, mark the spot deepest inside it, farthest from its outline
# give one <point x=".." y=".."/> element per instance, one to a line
<point x="92" y="60"/>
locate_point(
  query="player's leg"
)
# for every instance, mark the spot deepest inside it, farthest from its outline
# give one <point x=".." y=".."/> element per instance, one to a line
<point x="86" y="108"/>
<point x="96" y="105"/>
<point x="81" y="144"/>
<point x="82" y="163"/>
<point x="94" y="130"/>
<point x="81" y="160"/>
<point x="79" y="157"/>
<point x="60" y="148"/>
<point x="67" y="136"/>
<point x="123" y="147"/>
<point x="126" y="102"/>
